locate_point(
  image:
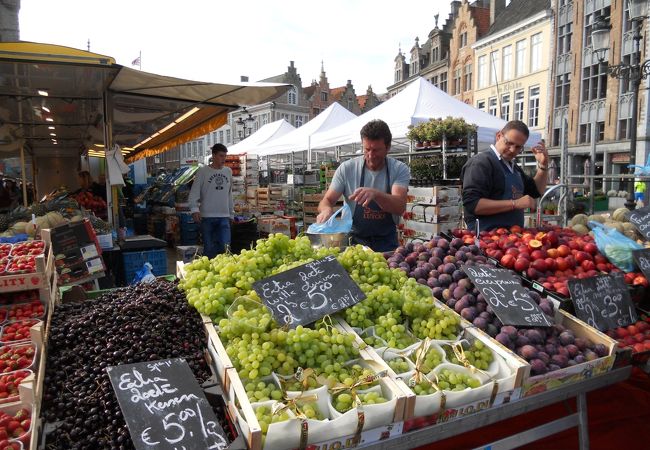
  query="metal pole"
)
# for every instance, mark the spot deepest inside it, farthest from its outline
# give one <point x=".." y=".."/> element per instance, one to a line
<point x="22" y="170"/>
<point x="108" y="145"/>
<point x="592" y="168"/>
<point x="635" y="74"/>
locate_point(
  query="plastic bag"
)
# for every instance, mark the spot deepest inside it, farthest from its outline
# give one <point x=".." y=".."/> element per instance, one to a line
<point x="144" y="275"/>
<point x="333" y="225"/>
<point x="615" y="246"/>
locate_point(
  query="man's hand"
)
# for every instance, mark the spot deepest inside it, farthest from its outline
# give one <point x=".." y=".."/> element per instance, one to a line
<point x="541" y="154"/>
<point x="326" y="213"/>
<point x="364" y="195"/>
<point x="196" y="217"/>
<point x="525" y="202"/>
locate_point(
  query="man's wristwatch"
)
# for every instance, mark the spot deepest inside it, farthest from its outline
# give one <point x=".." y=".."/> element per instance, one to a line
<point x="540" y="167"/>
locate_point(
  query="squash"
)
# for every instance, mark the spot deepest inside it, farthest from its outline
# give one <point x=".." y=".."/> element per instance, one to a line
<point x="580" y="228"/>
<point x="19" y="227"/>
<point x="620" y="215"/>
<point x="579" y="219"/>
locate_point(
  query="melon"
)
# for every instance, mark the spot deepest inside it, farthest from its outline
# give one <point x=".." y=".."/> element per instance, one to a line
<point x="19" y="227"/>
<point x="620" y="214"/>
<point x="580" y="228"/>
<point x="597" y="218"/>
<point x="578" y="219"/>
<point x="54" y="218"/>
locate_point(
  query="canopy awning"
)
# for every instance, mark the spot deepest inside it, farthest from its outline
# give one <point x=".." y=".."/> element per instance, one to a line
<point x="268" y="132"/>
<point x="150" y="113"/>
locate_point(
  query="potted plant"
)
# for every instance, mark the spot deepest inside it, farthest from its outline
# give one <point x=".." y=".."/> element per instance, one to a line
<point x="415" y="134"/>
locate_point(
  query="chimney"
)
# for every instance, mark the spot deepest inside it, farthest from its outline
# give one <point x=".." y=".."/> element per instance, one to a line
<point x="243" y="79"/>
<point x="496" y="7"/>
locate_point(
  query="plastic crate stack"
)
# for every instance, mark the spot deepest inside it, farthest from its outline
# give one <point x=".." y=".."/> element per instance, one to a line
<point x="189" y="230"/>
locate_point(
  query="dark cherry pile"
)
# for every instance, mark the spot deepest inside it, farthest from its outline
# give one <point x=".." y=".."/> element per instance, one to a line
<point x="129" y="325"/>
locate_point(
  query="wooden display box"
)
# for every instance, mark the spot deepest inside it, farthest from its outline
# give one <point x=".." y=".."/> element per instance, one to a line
<point x="28" y="281"/>
<point x="535" y="384"/>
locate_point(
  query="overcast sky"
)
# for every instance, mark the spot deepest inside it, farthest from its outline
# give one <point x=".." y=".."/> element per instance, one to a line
<point x="220" y="40"/>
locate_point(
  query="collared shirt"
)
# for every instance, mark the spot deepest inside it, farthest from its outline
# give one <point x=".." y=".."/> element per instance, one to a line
<point x="509" y="164"/>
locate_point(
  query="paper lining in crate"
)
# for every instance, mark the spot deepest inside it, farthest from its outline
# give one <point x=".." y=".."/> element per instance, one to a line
<point x="499" y="380"/>
<point x="432" y="214"/>
<point x="287" y="434"/>
<point x="434" y="195"/>
<point x="534" y="384"/>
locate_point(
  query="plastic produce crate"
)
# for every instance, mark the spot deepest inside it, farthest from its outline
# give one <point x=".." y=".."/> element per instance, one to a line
<point x="133" y="262"/>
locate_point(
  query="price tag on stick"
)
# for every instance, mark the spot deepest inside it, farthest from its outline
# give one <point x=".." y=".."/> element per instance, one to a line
<point x="164" y="406"/>
<point x="641" y="220"/>
<point x="306" y="293"/>
<point x="507" y="297"/>
<point x="603" y="302"/>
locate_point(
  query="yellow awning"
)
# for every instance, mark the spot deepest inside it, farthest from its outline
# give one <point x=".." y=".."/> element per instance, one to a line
<point x="34" y="51"/>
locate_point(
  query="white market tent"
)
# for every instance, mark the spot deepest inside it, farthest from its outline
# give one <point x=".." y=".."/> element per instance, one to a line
<point x="418" y="102"/>
<point x="267" y="133"/>
<point x="301" y="138"/>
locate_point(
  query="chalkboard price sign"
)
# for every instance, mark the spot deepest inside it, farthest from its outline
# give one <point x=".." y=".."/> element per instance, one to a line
<point x="306" y="293"/>
<point x="603" y="302"/>
<point x="641" y="220"/>
<point x="642" y="258"/>
<point x="164" y="406"/>
<point x="507" y="297"/>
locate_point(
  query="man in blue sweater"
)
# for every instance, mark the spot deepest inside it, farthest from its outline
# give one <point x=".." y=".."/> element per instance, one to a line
<point x="211" y="202"/>
<point x="495" y="189"/>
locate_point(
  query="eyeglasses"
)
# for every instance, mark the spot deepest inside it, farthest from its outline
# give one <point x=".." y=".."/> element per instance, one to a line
<point x="512" y="144"/>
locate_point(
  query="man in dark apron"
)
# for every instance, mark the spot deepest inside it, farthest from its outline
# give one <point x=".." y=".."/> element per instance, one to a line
<point x="495" y="189"/>
<point x="374" y="186"/>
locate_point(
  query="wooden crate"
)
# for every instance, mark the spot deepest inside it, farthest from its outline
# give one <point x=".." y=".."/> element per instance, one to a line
<point x="530" y="384"/>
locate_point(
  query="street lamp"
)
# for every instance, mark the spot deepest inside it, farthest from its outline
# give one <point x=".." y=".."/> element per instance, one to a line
<point x="244" y="124"/>
<point x="634" y="72"/>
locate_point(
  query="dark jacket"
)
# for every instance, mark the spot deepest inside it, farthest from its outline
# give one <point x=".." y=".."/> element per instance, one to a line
<point x="482" y="177"/>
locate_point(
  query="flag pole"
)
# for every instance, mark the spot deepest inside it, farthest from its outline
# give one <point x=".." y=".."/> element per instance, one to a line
<point x="140" y="60"/>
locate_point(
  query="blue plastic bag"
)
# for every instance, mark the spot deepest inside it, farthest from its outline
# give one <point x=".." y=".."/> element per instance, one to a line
<point x="333" y="225"/>
<point x="615" y="246"/>
<point x="144" y="275"/>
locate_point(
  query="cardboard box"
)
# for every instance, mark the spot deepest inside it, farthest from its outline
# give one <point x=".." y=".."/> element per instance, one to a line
<point x="422" y="230"/>
<point x="434" y="195"/>
<point x="420" y="212"/>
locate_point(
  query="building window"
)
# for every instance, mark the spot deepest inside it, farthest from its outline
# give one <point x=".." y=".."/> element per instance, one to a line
<point x="480" y="75"/>
<point x="520" y="57"/>
<point x="468" y="77"/>
<point x="463" y="39"/>
<point x="562" y="89"/>
<point x="221" y="136"/>
<point x="316" y="112"/>
<point x="494" y="63"/>
<point x="492" y="106"/>
<point x="536" y="52"/>
<point x="443" y="81"/>
<point x="506" y="63"/>
<point x="584" y="136"/>
<point x="398" y="76"/>
<point x="519" y="105"/>
<point x="480" y="105"/>
<point x="533" y="107"/>
<point x="323" y="96"/>
<point x="435" y="54"/>
<point x="457" y="74"/>
<point x="298" y="121"/>
<point x="564" y="34"/>
<point x="624" y="129"/>
<point x="195" y="149"/>
<point x="265" y="119"/>
<point x="434" y="80"/>
<point x="594" y="82"/>
<point x="414" y="65"/>
<point x="292" y="96"/>
<point x="227" y="136"/>
<point x="589" y="21"/>
<point x="505" y="107"/>
<point x="350" y="104"/>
